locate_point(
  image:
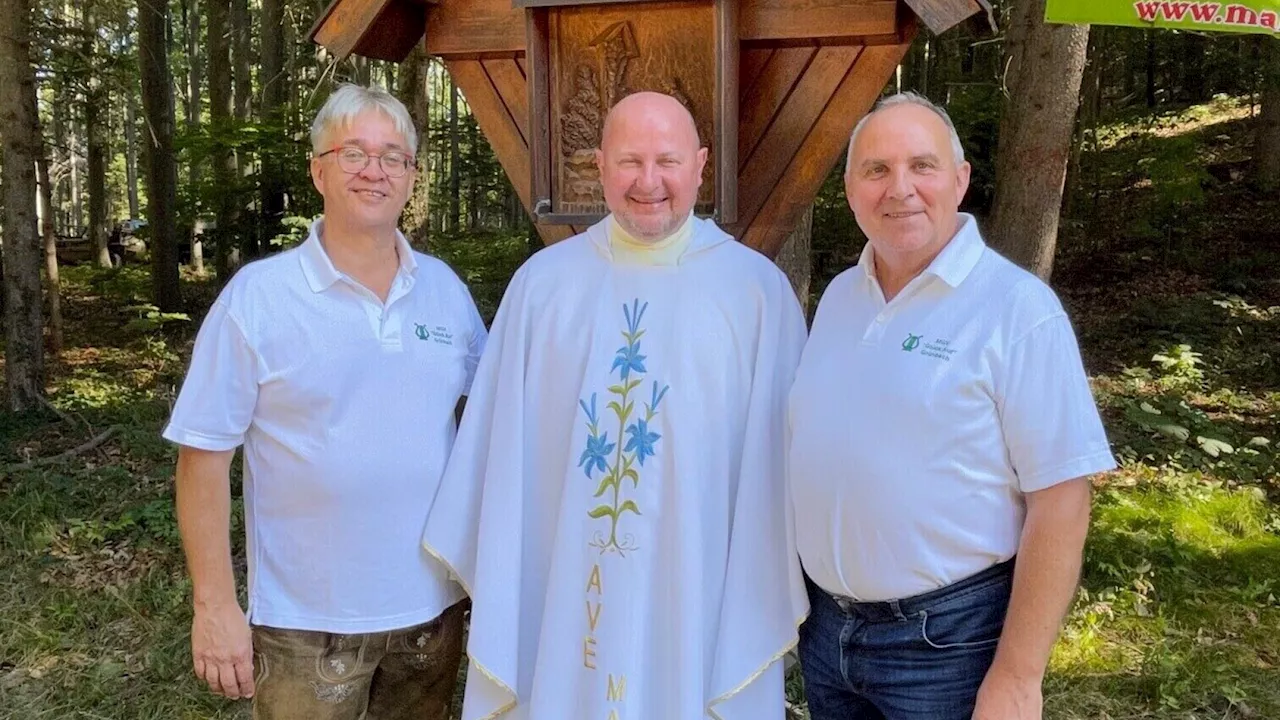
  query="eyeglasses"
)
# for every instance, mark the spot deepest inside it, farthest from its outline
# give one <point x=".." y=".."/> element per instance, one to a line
<point x="353" y="160"/>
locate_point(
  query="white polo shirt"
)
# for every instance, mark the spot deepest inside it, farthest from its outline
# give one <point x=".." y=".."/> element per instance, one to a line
<point x="917" y="425"/>
<point x="345" y="406"/>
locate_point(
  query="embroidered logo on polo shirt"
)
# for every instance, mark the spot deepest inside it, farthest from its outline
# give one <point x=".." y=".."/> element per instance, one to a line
<point x="440" y="334"/>
<point x="939" y="349"/>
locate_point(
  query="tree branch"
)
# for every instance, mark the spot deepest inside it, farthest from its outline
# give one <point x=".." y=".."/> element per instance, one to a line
<point x="95" y="442"/>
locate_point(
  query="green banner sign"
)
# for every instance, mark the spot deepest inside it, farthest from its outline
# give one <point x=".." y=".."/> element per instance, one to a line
<point x="1244" y="16"/>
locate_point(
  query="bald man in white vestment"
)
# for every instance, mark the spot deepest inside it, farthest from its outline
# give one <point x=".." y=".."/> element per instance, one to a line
<point x="614" y="503"/>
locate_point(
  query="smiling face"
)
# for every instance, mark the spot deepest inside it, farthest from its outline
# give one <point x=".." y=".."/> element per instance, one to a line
<point x="369" y="199"/>
<point x="650" y="165"/>
<point x="904" y="184"/>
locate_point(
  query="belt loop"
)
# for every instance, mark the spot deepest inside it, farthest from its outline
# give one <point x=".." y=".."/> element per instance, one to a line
<point x="896" y="606"/>
<point x="845" y="604"/>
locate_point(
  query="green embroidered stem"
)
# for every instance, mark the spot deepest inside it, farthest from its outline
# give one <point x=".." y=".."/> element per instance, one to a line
<point x="617" y="464"/>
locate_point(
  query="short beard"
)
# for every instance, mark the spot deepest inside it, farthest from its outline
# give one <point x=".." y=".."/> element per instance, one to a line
<point x="668" y="228"/>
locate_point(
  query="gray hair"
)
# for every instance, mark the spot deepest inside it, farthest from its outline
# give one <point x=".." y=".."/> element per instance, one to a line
<point x="349" y="101"/>
<point x="907" y="98"/>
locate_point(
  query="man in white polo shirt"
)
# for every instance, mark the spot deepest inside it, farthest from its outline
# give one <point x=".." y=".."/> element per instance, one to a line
<point x="338" y="365"/>
<point x="941" y="425"/>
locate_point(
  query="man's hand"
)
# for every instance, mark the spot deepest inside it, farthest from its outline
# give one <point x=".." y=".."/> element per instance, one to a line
<point x="221" y="646"/>
<point x="1003" y="697"/>
<point x="222" y="650"/>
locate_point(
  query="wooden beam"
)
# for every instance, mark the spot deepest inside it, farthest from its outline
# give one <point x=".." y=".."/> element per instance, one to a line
<point x="537" y="77"/>
<point x="824" y="145"/>
<point x="564" y="3"/>
<point x="395" y="32"/>
<point x="941" y="15"/>
<point x="784" y="136"/>
<point x="725" y="114"/>
<point x="495" y="121"/>
<point x="473" y="28"/>
<point x="763" y="99"/>
<point x="510" y="84"/>
<point x="814" y="20"/>
<point x="751" y="61"/>
<point x="382" y="29"/>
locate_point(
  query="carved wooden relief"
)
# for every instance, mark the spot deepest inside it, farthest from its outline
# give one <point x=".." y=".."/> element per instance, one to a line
<point x="599" y="55"/>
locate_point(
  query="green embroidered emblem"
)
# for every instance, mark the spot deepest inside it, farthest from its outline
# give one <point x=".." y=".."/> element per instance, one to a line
<point x="421" y="331"/>
<point x="911" y="343"/>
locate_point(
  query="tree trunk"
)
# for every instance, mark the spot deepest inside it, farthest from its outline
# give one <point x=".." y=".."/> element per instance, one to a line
<point x="73" y="166"/>
<point x="413" y="93"/>
<point x="162" y="171"/>
<point x="796" y="258"/>
<point x="274" y="93"/>
<point x="48" y="233"/>
<point x="1046" y="64"/>
<point x="220" y="115"/>
<point x="241" y="52"/>
<point x="473" y="179"/>
<point x="97" y="174"/>
<point x="1086" y="121"/>
<point x="1195" y="48"/>
<point x="19" y="125"/>
<point x="241" y="35"/>
<point x="1129" y="82"/>
<point x="360" y="70"/>
<point x="195" y="77"/>
<point x="1151" y="68"/>
<point x="455" y="178"/>
<point x="59" y="165"/>
<point x="131" y="153"/>
<point x="1266" y="151"/>
<point x="95" y="141"/>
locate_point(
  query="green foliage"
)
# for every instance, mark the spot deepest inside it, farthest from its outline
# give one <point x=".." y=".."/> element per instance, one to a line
<point x="1162" y="425"/>
<point x="1177" y="175"/>
<point x="150" y="318"/>
<point x="1180" y="367"/>
<point x="295" y="231"/>
<point x="485" y="260"/>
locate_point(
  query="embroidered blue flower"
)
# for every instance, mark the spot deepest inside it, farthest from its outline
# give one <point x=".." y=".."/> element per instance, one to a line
<point x="591" y="412"/>
<point x="641" y="441"/>
<point x="593" y="458"/>
<point x="629" y="359"/>
<point x="651" y="407"/>
<point x="633" y="315"/>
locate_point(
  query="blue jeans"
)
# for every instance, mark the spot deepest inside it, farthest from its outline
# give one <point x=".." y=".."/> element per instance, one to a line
<point x="921" y="658"/>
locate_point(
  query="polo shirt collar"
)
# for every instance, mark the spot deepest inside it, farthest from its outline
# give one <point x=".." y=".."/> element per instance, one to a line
<point x="952" y="265"/>
<point x="319" y="269"/>
<point x="961" y="255"/>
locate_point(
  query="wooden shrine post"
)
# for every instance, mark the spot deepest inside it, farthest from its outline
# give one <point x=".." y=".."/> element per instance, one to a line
<point x="775" y="87"/>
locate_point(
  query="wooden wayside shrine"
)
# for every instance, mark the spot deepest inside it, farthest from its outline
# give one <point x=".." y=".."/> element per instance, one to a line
<point x="775" y="87"/>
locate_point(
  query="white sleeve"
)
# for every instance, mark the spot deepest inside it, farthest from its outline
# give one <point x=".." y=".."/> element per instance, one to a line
<point x="475" y="345"/>
<point x="1051" y="426"/>
<point x="220" y="392"/>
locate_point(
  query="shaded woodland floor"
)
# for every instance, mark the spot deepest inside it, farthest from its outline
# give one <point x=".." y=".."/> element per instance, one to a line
<point x="1169" y="265"/>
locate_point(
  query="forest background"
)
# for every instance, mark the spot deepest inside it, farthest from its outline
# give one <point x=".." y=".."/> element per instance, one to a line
<point x="168" y="152"/>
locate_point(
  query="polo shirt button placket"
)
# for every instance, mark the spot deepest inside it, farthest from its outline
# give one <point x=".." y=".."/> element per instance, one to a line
<point x="875" y="331"/>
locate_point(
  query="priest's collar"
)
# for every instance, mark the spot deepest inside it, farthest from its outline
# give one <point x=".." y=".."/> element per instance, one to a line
<point x="626" y="248"/>
<point x="692" y="237"/>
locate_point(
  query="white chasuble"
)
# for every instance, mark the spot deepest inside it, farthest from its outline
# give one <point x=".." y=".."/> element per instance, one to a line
<point x="614" y="502"/>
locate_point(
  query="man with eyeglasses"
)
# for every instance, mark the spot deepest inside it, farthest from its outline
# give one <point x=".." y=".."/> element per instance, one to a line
<point x="338" y="365"/>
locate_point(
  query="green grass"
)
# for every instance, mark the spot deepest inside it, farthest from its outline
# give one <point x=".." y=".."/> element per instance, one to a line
<point x="1178" y="618"/>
